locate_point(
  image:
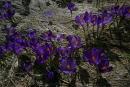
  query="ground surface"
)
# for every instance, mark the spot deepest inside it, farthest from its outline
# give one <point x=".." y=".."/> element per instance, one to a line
<point x="62" y="23"/>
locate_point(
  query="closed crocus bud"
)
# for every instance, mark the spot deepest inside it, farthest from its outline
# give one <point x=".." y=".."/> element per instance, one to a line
<point x="94" y="18"/>
<point x="104" y="66"/>
<point x="86" y="17"/>
<point x="71" y="6"/>
<point x="26" y="66"/>
<point x="50" y="75"/>
<point x="79" y="20"/>
<point x="7" y="5"/>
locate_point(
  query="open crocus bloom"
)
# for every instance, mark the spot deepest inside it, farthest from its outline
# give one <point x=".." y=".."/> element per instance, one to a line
<point x="93" y="56"/>
<point x="97" y="57"/>
<point x="68" y="66"/>
<point x="43" y="52"/>
<point x="64" y="51"/>
<point x="127" y="12"/>
<point x="104" y="66"/>
<point x="107" y="18"/>
<point x="74" y="41"/>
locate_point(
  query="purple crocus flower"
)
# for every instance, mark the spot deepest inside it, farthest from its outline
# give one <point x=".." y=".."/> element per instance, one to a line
<point x="43" y="52"/>
<point x="93" y="56"/>
<point x="26" y="65"/>
<point x="7" y="10"/>
<point x="104" y="67"/>
<point x="99" y="21"/>
<point x="64" y="51"/>
<point x="115" y="9"/>
<point x="48" y="49"/>
<point x="12" y="34"/>
<point x="97" y="57"/>
<point x="74" y="41"/>
<point x="107" y="18"/>
<point x="71" y="6"/>
<point x="31" y="34"/>
<point x="38" y="48"/>
<point x="31" y="43"/>
<point x="48" y="36"/>
<point x="68" y="66"/>
<point x="127" y="12"/>
<point x="60" y="37"/>
<point x="15" y="48"/>
<point x="9" y="14"/>
<point x="7" y="5"/>
<point x="40" y="59"/>
<point x="50" y="75"/>
<point x="87" y="17"/>
<point x="20" y="41"/>
<point x="79" y="20"/>
<point x="93" y="19"/>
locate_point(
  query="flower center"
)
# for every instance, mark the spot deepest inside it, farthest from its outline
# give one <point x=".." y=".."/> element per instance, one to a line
<point x="93" y="58"/>
<point x="68" y="67"/>
<point x="128" y="10"/>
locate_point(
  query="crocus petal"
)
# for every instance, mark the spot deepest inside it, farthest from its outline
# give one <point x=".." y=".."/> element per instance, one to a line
<point x="68" y="66"/>
<point x="71" y="6"/>
<point x="79" y="19"/>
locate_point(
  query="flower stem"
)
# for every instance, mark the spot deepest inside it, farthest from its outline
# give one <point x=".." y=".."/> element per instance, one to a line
<point x="85" y="35"/>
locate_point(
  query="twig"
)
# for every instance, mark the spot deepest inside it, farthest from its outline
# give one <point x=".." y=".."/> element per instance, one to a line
<point x="64" y="81"/>
<point x="12" y="82"/>
<point x="12" y="67"/>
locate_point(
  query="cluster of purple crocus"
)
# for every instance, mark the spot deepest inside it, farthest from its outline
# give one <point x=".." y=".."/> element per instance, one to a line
<point x="104" y="17"/>
<point x="43" y="47"/>
<point x="6" y="10"/>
